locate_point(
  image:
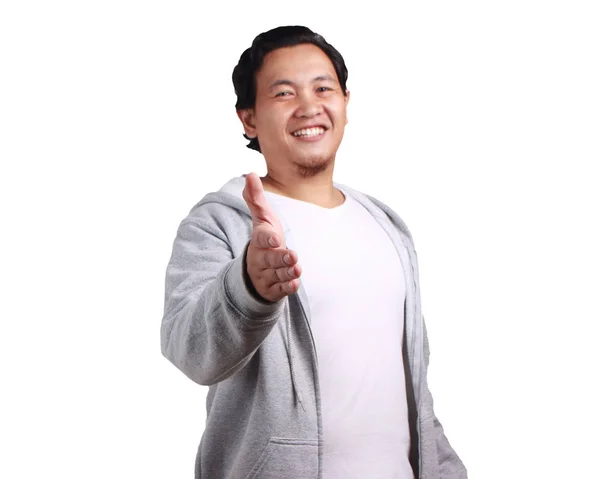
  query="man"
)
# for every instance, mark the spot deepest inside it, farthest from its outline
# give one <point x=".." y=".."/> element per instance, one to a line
<point x="296" y="299"/>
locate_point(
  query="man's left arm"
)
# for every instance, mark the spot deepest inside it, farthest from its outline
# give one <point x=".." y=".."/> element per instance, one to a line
<point x="449" y="464"/>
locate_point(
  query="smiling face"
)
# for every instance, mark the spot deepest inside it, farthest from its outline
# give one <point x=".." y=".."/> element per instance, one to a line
<point x="300" y="111"/>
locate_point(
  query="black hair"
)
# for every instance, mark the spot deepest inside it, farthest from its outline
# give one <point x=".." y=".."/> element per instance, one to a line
<point x="244" y="73"/>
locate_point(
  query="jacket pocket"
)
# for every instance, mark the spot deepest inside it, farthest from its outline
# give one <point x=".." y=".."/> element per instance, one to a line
<point x="284" y="458"/>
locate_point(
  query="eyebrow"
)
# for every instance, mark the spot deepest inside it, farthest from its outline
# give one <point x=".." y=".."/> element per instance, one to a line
<point x="291" y="83"/>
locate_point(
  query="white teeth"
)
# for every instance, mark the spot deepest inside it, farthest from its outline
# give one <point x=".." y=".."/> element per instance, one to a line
<point x="310" y="131"/>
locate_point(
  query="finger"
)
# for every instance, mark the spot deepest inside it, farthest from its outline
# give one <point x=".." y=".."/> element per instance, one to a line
<point x="277" y="258"/>
<point x="254" y="196"/>
<point x="281" y="290"/>
<point x="286" y="274"/>
<point x="265" y="236"/>
<point x="289" y="287"/>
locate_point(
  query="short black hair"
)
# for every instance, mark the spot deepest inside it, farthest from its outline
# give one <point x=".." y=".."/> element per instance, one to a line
<point x="244" y="73"/>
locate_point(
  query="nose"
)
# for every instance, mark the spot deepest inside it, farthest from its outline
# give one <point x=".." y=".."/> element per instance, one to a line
<point x="309" y="105"/>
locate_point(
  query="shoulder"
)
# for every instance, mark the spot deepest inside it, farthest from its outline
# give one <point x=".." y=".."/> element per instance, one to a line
<point x="376" y="207"/>
<point x="221" y="206"/>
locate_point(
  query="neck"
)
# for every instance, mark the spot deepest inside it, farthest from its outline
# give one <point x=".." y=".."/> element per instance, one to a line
<point x="318" y="189"/>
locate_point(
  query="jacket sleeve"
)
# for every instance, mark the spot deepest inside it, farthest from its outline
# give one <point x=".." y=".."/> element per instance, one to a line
<point x="212" y="322"/>
<point x="450" y="465"/>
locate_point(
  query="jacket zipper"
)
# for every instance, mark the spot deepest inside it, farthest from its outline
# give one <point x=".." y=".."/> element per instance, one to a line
<point x="312" y="338"/>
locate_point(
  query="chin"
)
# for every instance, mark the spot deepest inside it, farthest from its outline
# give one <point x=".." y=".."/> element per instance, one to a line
<point x="312" y="165"/>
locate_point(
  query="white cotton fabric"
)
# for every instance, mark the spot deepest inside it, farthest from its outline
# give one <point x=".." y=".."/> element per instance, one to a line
<point x="355" y="285"/>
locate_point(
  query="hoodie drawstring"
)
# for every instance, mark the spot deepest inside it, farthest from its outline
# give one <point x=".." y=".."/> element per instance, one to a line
<point x="288" y="326"/>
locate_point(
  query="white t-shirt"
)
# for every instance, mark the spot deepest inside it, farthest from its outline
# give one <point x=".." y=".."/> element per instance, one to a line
<point x="354" y="281"/>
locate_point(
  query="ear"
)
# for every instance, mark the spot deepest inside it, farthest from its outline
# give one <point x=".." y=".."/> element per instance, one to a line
<point x="248" y="120"/>
<point x="346" y="100"/>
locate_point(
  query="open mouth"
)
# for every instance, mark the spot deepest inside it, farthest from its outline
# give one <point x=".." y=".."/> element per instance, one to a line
<point x="309" y="133"/>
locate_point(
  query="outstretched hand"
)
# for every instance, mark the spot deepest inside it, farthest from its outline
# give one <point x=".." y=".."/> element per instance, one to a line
<point x="272" y="268"/>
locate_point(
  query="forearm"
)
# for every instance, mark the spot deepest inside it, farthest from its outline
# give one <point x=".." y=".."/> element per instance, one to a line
<point x="449" y="465"/>
<point x="212" y="323"/>
<point x="211" y="334"/>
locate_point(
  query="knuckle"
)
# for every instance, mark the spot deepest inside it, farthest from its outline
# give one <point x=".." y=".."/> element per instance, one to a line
<point x="267" y="259"/>
<point x="256" y="240"/>
<point x="276" y="278"/>
<point x="273" y="293"/>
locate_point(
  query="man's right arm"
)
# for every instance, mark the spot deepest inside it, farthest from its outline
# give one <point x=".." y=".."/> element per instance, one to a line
<point x="213" y="321"/>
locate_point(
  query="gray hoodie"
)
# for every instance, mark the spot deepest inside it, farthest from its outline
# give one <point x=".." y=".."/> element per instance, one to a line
<point x="259" y="358"/>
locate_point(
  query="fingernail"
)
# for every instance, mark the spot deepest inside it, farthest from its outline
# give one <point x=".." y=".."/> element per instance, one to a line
<point x="287" y="258"/>
<point x="291" y="271"/>
<point x="272" y="242"/>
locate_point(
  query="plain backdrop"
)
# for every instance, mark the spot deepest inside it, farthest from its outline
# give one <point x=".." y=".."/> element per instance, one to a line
<point x="477" y="121"/>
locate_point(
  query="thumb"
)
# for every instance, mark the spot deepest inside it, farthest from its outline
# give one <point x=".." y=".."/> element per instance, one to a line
<point x="254" y="197"/>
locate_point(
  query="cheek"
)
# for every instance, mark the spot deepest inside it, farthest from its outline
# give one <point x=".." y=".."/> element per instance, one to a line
<point x="338" y="112"/>
<point x="273" y="121"/>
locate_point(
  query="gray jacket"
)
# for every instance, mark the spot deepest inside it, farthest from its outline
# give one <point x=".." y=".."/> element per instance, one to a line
<point x="259" y="358"/>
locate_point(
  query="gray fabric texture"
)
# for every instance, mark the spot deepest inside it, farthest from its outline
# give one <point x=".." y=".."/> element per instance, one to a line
<point x="259" y="358"/>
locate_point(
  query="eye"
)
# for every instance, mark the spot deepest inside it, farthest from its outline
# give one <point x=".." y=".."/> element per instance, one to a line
<point x="324" y="88"/>
<point x="283" y="93"/>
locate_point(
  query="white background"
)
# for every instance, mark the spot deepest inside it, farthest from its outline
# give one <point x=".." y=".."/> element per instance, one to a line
<point x="478" y="122"/>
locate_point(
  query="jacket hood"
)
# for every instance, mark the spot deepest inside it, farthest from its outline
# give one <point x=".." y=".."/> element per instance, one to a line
<point x="230" y="194"/>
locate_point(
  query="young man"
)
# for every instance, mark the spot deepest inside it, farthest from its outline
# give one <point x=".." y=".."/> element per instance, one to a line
<point x="296" y="299"/>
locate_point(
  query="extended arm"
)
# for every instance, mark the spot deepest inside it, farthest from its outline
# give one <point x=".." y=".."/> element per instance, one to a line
<point x="212" y="322"/>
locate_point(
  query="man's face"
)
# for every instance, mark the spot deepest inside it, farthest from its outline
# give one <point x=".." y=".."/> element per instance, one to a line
<point x="300" y="111"/>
